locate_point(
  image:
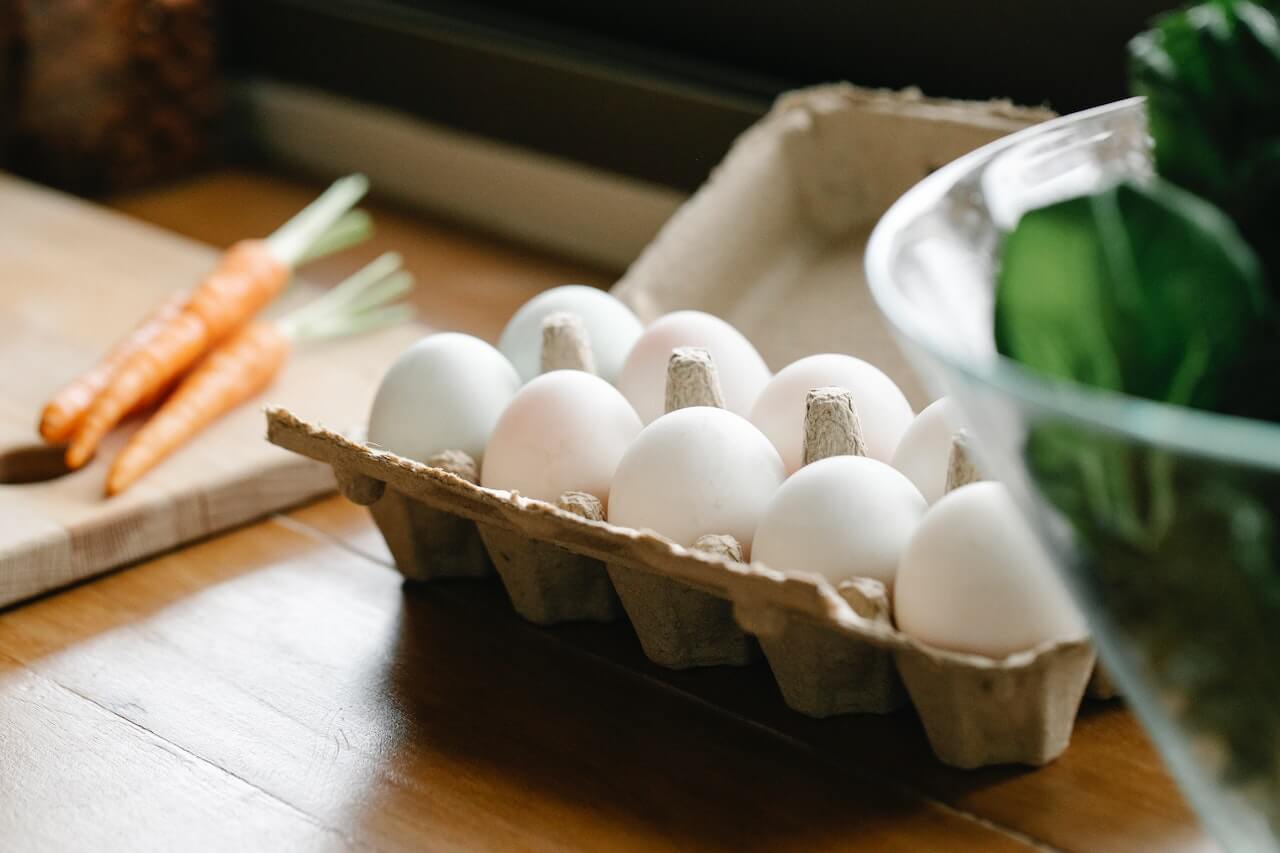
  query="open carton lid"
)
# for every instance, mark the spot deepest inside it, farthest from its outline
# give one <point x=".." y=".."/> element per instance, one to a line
<point x="773" y="242"/>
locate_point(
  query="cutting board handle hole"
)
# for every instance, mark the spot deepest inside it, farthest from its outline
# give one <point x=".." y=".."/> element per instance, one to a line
<point x="35" y="463"/>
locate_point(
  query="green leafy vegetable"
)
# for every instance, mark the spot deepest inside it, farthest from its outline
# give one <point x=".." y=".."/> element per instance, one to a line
<point x="1193" y="589"/>
<point x="1143" y="289"/>
<point x="1211" y="75"/>
<point x="1162" y="290"/>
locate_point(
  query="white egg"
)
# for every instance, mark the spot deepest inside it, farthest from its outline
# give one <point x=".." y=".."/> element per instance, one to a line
<point x="695" y="471"/>
<point x="443" y="393"/>
<point x="974" y="579"/>
<point x="742" y="371"/>
<point x="925" y="448"/>
<point x="564" y="431"/>
<point x="611" y="326"/>
<point x="883" y="411"/>
<point x="841" y="517"/>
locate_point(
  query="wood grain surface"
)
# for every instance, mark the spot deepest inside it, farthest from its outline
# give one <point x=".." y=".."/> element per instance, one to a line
<point x="280" y="688"/>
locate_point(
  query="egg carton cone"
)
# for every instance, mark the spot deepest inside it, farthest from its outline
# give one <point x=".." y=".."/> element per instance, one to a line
<point x="548" y="584"/>
<point x="426" y="542"/>
<point x="823" y="673"/>
<point x="977" y="711"/>
<point x="679" y="625"/>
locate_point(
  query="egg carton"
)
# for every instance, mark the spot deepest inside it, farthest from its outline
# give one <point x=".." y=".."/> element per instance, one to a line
<point x="773" y="243"/>
<point x="831" y="650"/>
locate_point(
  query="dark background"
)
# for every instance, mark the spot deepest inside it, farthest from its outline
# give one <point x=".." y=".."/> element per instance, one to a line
<point x="657" y="90"/>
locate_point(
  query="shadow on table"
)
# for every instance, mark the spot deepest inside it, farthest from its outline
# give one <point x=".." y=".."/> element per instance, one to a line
<point x="594" y="733"/>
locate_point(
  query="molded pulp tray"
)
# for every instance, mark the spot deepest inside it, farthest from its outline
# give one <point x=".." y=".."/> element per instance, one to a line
<point x="829" y="659"/>
<point x="773" y="243"/>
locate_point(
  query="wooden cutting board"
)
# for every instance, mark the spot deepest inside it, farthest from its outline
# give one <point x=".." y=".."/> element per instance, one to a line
<point x="75" y="277"/>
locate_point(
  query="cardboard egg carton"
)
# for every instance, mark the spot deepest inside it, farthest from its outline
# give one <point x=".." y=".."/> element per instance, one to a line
<point x="831" y="650"/>
<point x="773" y="243"/>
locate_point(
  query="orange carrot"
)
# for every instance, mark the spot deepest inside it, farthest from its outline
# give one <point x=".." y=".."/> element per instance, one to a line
<point x="247" y="362"/>
<point x="231" y="374"/>
<point x="63" y="414"/>
<point x="248" y="276"/>
<point x="246" y="279"/>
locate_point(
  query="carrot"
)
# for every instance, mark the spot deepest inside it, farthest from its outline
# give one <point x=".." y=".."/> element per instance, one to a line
<point x="248" y="361"/>
<point x="231" y="374"/>
<point x="63" y="414"/>
<point x="246" y="280"/>
<point x="249" y="275"/>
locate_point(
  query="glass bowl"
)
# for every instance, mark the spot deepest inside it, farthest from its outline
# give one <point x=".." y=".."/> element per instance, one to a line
<point x="1162" y="520"/>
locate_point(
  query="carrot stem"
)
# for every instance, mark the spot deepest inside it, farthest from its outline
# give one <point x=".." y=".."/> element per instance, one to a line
<point x="356" y="283"/>
<point x="358" y="324"/>
<point x="354" y="227"/>
<point x="390" y="288"/>
<point x="338" y="297"/>
<point x="356" y="305"/>
<point x="290" y="242"/>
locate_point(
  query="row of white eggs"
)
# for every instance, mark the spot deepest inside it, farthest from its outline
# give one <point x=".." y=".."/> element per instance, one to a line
<point x="964" y="574"/>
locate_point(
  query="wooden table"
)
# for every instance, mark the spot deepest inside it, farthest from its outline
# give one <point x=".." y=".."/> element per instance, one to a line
<point x="278" y="687"/>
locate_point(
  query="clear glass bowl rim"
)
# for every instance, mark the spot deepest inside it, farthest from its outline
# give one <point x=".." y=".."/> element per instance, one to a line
<point x="1237" y="440"/>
